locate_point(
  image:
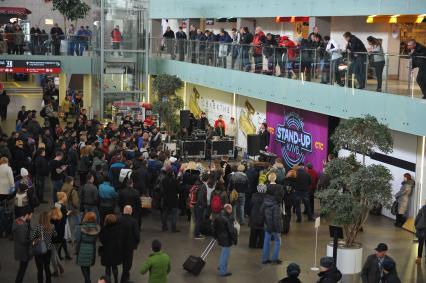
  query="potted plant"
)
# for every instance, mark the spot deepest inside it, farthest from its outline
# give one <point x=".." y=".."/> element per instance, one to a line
<point x="355" y="188"/>
<point x="167" y="103"/>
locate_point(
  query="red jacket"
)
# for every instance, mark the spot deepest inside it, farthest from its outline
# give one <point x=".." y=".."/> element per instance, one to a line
<point x="116" y="35"/>
<point x="258" y="40"/>
<point x="291" y="47"/>
<point x="314" y="180"/>
<point x="216" y="122"/>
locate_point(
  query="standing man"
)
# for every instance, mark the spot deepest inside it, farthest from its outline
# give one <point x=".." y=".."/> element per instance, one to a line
<point x="226" y="236"/>
<point x="358" y="53"/>
<point x="181" y="43"/>
<point x="302" y="194"/>
<point x="158" y="264"/>
<point x="4" y="102"/>
<point x="192" y="46"/>
<point x="418" y="57"/>
<point x="264" y="137"/>
<point x="259" y="39"/>
<point x="57" y="35"/>
<point x="169" y="38"/>
<point x="235" y="53"/>
<point x="131" y="237"/>
<point x="246" y="40"/>
<point x="372" y="272"/>
<point x="200" y="205"/>
<point x="203" y="123"/>
<point x="116" y="38"/>
<point x="57" y="173"/>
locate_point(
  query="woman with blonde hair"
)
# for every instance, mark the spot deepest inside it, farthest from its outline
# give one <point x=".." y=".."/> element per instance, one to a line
<point x="44" y="231"/>
<point x="7" y="182"/>
<point x="84" y="164"/>
<point x="56" y="219"/>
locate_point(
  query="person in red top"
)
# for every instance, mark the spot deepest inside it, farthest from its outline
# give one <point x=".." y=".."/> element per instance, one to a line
<point x="259" y="39"/>
<point x="314" y="181"/>
<point x="219" y="120"/>
<point x="291" y="51"/>
<point x="116" y="37"/>
<point x="148" y="120"/>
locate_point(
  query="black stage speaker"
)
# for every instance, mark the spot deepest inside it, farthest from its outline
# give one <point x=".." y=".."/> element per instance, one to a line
<point x="253" y="145"/>
<point x="184" y="118"/>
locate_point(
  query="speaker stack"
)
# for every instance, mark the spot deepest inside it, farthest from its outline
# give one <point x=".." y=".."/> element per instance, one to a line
<point x="253" y="145"/>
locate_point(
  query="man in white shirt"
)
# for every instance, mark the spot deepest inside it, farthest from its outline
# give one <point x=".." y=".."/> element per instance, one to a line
<point x="336" y="59"/>
<point x="231" y="129"/>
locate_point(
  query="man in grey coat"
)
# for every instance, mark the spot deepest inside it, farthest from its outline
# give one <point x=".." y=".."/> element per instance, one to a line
<point x="372" y="271"/>
<point x="21" y="234"/>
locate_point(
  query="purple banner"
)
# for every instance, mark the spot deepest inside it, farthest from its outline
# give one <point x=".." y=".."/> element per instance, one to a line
<point x="297" y="135"/>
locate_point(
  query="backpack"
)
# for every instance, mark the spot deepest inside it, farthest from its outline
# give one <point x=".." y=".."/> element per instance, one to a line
<point x="21" y="200"/>
<point x="216" y="204"/>
<point x="43" y="112"/>
<point x="192" y="197"/>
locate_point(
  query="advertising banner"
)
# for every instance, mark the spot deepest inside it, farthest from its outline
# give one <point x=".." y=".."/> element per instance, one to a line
<point x="297" y="136"/>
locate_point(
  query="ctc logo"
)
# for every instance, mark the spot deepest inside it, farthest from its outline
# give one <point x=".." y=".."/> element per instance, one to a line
<point x="319" y="145"/>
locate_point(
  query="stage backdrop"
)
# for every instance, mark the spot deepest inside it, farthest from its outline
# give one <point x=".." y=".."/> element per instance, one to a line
<point x="297" y="135"/>
<point x="251" y="113"/>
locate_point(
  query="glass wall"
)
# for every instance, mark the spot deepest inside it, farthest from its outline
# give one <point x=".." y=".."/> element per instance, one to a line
<point x="119" y="51"/>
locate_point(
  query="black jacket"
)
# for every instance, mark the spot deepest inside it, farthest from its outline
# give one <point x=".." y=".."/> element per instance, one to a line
<point x="303" y="181"/>
<point x="290" y="186"/>
<point x="391" y="277"/>
<point x="41" y="166"/>
<point x="129" y="233"/>
<point x="332" y="275"/>
<point x="290" y="280"/>
<point x="264" y="139"/>
<point x="418" y="57"/>
<point x="141" y="180"/>
<point x="238" y="181"/>
<point x="355" y="45"/>
<point x="169" y="190"/>
<point x="112" y="245"/>
<point x="224" y="230"/>
<point x="370" y="271"/>
<point x="129" y="196"/>
<point x="257" y="216"/>
<point x="4" y="99"/>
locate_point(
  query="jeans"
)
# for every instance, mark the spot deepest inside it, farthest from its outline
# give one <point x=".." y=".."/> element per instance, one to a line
<point x="267" y="246"/>
<point x="378" y="69"/>
<point x="169" y="214"/>
<point x="198" y="217"/>
<point x="239" y="205"/>
<point x="71" y="47"/>
<point x="258" y="63"/>
<point x="246" y="59"/>
<point x="85" y="270"/>
<point x="325" y="74"/>
<point x="422" y="242"/>
<point x="56" y="187"/>
<point x="223" y="261"/>
<point x="358" y="68"/>
<point x="43" y="263"/>
<point x="21" y="271"/>
<point x="302" y="197"/>
<point x="235" y="54"/>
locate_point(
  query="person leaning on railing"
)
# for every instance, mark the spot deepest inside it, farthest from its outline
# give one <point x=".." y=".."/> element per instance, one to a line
<point x="356" y="48"/>
<point x="418" y="57"/>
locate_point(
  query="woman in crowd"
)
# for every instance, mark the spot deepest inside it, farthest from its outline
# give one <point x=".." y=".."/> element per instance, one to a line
<point x="257" y="220"/>
<point x="21" y="236"/>
<point x="24" y="200"/>
<point x="111" y="249"/>
<point x="420" y="224"/>
<point x="72" y="205"/>
<point x="403" y="199"/>
<point x="56" y="219"/>
<point x="84" y="164"/>
<point x="62" y="205"/>
<point x="44" y="231"/>
<point x="290" y="185"/>
<point x="86" y="236"/>
<point x="218" y="199"/>
<point x="377" y="59"/>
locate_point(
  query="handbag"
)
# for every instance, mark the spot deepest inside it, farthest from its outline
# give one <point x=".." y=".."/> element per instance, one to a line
<point x="146" y="202"/>
<point x="237" y="227"/>
<point x="39" y="246"/>
<point x="394" y="209"/>
<point x="233" y="197"/>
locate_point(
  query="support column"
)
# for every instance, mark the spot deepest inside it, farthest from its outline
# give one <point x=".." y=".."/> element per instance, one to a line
<point x="62" y="87"/>
<point x="87" y="94"/>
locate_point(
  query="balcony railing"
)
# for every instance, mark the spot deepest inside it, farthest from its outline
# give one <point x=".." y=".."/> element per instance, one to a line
<point x="340" y="68"/>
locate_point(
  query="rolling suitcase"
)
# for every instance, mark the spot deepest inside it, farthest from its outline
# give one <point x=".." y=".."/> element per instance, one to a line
<point x="195" y="264"/>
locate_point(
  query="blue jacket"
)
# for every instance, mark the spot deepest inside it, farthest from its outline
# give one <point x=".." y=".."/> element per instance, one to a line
<point x="107" y="191"/>
<point x="225" y="38"/>
<point x="117" y="166"/>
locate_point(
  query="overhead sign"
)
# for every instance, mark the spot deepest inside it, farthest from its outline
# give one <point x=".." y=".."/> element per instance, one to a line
<point x="30" y="66"/>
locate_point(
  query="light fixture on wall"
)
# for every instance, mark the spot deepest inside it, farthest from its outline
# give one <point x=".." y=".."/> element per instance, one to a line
<point x="393" y="19"/>
<point x="420" y="19"/>
<point x="370" y="19"/>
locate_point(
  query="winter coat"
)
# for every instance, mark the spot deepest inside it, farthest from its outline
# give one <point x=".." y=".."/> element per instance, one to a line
<point x="314" y="180"/>
<point x="355" y="45"/>
<point x="332" y="275"/>
<point x="257" y="217"/>
<point x="130" y="233"/>
<point x="89" y="195"/>
<point x="141" y="180"/>
<point x="129" y="196"/>
<point x="107" y="195"/>
<point x="269" y="47"/>
<point x="158" y="265"/>
<point x="290" y="280"/>
<point x="370" y="272"/>
<point x="224" y="230"/>
<point x="290" y="185"/>
<point x="391" y="277"/>
<point x="22" y="241"/>
<point x="420" y="223"/>
<point x="18" y="38"/>
<point x="238" y="181"/>
<point x="41" y="166"/>
<point x="169" y="191"/>
<point x="86" y="237"/>
<point x="303" y="180"/>
<point x="112" y="245"/>
<point x="403" y="196"/>
<point x="272" y="211"/>
<point x="73" y="202"/>
<point x="418" y="57"/>
<point x="6" y="179"/>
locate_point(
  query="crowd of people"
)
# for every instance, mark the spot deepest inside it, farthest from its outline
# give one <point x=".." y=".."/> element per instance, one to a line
<point x="13" y="40"/>
<point x="106" y="178"/>
<point x="290" y="58"/>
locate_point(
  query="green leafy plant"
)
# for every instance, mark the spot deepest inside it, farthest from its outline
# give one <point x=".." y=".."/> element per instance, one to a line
<point x="355" y="188"/>
<point x="167" y="103"/>
<point x="71" y="10"/>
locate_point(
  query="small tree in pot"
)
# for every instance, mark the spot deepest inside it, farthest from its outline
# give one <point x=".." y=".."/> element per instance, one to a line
<point x="355" y="188"/>
<point x="167" y="103"/>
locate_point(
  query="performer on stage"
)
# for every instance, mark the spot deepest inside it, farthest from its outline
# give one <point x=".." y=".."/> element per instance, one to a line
<point x="264" y="137"/>
<point x="231" y="130"/>
<point x="219" y="128"/>
<point x="220" y="120"/>
<point x="203" y="122"/>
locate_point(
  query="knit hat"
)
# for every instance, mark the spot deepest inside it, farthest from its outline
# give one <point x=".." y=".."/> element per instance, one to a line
<point x="261" y="188"/>
<point x="327" y="262"/>
<point x="293" y="270"/>
<point x="24" y="172"/>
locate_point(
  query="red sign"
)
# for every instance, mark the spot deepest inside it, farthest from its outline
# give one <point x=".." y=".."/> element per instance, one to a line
<point x="31" y="70"/>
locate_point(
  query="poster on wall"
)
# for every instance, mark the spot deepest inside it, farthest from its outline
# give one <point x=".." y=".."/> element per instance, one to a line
<point x="211" y="101"/>
<point x="250" y="114"/>
<point x="297" y="136"/>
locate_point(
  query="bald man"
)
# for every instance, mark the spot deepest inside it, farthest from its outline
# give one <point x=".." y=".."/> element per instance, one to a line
<point x="130" y="240"/>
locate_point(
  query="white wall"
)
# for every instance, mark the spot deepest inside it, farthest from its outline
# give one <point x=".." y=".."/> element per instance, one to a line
<point x="41" y="10"/>
<point x="405" y="148"/>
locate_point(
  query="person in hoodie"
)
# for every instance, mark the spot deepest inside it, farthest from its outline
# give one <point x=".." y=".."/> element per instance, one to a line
<point x="328" y="271"/>
<point x="403" y="199"/>
<point x="269" y="50"/>
<point x="258" y="41"/>
<point x="420" y="224"/>
<point x="293" y="271"/>
<point x="224" y="47"/>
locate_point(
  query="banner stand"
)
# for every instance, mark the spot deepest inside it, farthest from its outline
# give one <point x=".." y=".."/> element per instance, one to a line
<point x="317" y="225"/>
